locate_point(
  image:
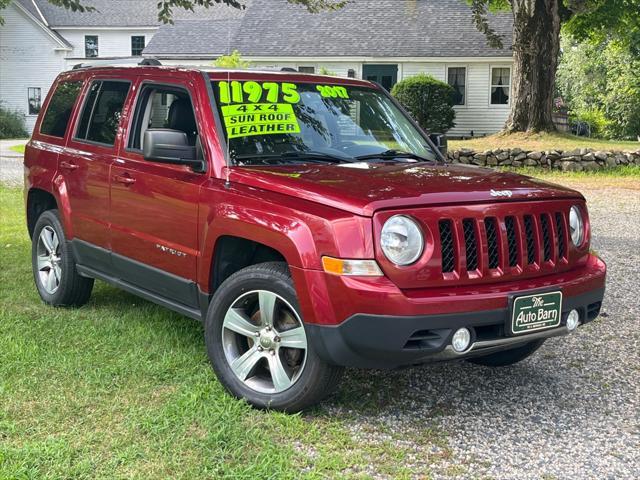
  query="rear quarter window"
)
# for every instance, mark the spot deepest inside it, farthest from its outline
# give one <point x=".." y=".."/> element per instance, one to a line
<point x="56" y="118"/>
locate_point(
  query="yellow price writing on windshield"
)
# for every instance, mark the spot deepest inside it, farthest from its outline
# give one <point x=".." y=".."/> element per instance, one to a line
<point x="332" y="91"/>
<point x="254" y="92"/>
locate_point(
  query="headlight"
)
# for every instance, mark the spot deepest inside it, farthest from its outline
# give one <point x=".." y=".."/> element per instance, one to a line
<point x="576" y="226"/>
<point x="401" y="240"/>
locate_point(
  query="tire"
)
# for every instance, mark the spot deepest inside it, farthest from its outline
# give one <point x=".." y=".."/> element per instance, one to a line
<point x="280" y="344"/>
<point x="57" y="280"/>
<point x="508" y="357"/>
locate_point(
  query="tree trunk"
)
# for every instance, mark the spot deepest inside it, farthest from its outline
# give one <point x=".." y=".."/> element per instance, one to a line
<point x="536" y="46"/>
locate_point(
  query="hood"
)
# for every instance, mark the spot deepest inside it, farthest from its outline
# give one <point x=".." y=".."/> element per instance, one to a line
<point x="364" y="188"/>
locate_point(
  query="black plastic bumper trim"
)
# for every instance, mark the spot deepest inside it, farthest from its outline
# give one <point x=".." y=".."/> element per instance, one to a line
<point x="379" y="341"/>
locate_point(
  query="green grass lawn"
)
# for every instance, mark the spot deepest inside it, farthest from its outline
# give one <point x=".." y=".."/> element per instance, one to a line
<point x="540" y="141"/>
<point x="18" y="148"/>
<point x="121" y="388"/>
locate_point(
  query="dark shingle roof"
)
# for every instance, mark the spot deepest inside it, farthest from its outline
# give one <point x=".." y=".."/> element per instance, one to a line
<point x="377" y="28"/>
<point x="124" y="13"/>
<point x="194" y="37"/>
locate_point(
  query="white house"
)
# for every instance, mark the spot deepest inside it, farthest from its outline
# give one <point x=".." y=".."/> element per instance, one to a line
<point x="381" y="40"/>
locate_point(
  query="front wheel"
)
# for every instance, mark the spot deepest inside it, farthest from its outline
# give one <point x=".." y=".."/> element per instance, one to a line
<point x="508" y="357"/>
<point x="258" y="344"/>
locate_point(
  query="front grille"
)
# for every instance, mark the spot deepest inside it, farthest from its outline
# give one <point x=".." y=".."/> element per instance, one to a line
<point x="470" y="243"/>
<point x="510" y="223"/>
<point x="532" y="253"/>
<point x="504" y="244"/>
<point x="546" y="236"/>
<point x="560" y="238"/>
<point x="492" y="242"/>
<point x="446" y="242"/>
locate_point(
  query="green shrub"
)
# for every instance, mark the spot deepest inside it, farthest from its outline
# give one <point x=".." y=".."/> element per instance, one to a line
<point x="596" y="119"/>
<point x="11" y="124"/>
<point x="429" y="101"/>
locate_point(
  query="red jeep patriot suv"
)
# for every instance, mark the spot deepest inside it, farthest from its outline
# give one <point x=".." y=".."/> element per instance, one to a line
<point x="306" y="220"/>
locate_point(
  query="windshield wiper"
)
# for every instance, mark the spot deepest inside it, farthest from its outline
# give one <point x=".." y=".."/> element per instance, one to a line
<point x="295" y="156"/>
<point x="392" y="155"/>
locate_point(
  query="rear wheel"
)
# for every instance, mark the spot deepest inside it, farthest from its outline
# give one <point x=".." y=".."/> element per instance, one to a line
<point x="508" y="357"/>
<point x="54" y="268"/>
<point x="258" y="345"/>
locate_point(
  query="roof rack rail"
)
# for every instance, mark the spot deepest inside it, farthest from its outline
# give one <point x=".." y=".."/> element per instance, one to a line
<point x="114" y="63"/>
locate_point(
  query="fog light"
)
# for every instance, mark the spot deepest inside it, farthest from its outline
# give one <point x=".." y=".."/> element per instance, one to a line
<point x="573" y="319"/>
<point x="461" y="340"/>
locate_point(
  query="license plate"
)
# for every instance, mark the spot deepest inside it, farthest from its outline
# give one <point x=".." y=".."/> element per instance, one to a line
<point x="536" y="312"/>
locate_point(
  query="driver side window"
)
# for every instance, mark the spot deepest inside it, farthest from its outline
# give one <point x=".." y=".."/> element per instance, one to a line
<point x="163" y="107"/>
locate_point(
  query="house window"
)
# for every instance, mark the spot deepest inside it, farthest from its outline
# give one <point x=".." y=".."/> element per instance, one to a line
<point x="90" y="46"/>
<point x="137" y="45"/>
<point x="307" y="69"/>
<point x="457" y="78"/>
<point x="500" y="85"/>
<point x="34" y="95"/>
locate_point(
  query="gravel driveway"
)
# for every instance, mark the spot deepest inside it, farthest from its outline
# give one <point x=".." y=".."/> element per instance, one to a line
<point x="11" y="170"/>
<point x="572" y="411"/>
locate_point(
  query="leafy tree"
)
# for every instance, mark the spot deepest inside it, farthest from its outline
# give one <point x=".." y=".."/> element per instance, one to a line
<point x="600" y="84"/>
<point x="234" y="60"/>
<point x="536" y="45"/>
<point x="430" y="101"/>
<point x="165" y="7"/>
<point x="326" y="71"/>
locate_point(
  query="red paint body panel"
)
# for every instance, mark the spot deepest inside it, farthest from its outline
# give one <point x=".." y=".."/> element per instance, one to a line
<point x="328" y="299"/>
<point x="365" y="191"/>
<point x="304" y="212"/>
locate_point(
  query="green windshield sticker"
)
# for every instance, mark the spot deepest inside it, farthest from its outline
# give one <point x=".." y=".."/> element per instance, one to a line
<point x="254" y="92"/>
<point x="259" y="119"/>
<point x="332" y="91"/>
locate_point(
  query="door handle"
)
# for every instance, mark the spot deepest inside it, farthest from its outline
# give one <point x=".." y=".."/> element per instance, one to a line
<point x="68" y="166"/>
<point x="124" y="179"/>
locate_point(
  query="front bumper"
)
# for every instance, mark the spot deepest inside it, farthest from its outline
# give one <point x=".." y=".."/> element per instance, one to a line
<point x="382" y="341"/>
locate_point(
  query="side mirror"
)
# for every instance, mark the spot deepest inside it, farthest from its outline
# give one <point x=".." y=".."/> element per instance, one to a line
<point x="441" y="143"/>
<point x="165" y="145"/>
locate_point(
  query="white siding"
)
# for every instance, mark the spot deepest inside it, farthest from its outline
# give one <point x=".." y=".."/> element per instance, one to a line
<point x="436" y="70"/>
<point x="477" y="115"/>
<point x="111" y="43"/>
<point x="27" y="59"/>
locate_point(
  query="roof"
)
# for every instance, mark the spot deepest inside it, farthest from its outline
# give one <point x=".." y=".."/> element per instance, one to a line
<point x="29" y="6"/>
<point x="364" y="28"/>
<point x="122" y="13"/>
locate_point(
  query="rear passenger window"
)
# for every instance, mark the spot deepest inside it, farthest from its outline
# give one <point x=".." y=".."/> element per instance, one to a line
<point x="102" y="111"/>
<point x="58" y="112"/>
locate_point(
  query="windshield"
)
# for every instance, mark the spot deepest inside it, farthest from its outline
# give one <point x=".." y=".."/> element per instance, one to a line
<point x="281" y="122"/>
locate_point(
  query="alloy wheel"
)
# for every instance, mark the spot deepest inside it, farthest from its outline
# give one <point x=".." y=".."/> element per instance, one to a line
<point x="49" y="260"/>
<point x="264" y="341"/>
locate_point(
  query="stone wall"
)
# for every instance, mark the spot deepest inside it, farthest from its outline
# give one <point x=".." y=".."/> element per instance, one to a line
<point x="571" y="160"/>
